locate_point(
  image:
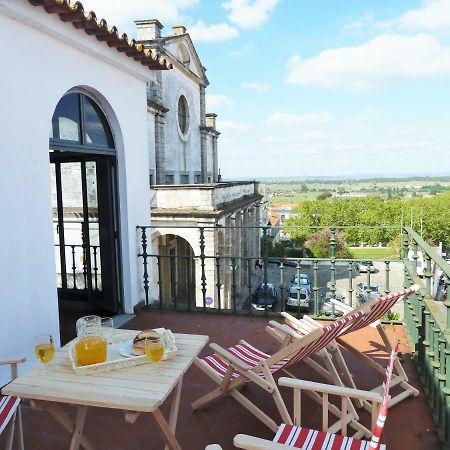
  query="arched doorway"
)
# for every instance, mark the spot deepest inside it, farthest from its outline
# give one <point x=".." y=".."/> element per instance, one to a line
<point x="85" y="205"/>
<point x="176" y="272"/>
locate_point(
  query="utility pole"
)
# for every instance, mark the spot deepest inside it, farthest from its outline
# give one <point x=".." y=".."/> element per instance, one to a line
<point x="421" y="222"/>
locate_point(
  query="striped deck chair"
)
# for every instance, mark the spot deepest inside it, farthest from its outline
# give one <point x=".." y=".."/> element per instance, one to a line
<point x="232" y="368"/>
<point x="335" y="361"/>
<point x="9" y="409"/>
<point x="296" y="436"/>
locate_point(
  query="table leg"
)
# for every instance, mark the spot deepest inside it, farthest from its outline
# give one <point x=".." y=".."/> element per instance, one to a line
<point x="79" y="425"/>
<point x="66" y="422"/>
<point x="167" y="432"/>
<point x="174" y="408"/>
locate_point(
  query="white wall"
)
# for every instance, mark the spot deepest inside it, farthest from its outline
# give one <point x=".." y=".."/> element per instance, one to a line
<point x="43" y="59"/>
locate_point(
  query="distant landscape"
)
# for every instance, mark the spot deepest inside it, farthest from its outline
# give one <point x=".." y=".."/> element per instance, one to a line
<point x="291" y="191"/>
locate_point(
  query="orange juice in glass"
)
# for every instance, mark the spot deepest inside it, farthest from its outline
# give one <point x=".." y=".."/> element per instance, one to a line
<point x="154" y="349"/>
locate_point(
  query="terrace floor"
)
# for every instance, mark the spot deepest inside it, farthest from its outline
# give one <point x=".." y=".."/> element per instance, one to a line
<point x="409" y="424"/>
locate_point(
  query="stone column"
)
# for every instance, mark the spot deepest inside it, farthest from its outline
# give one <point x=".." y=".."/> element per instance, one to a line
<point x="203" y="133"/>
<point x="237" y="251"/>
<point x="160" y="149"/>
<point x="227" y="262"/>
<point x="215" y="160"/>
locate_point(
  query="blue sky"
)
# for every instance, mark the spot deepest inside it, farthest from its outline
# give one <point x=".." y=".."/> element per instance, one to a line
<point x="318" y="88"/>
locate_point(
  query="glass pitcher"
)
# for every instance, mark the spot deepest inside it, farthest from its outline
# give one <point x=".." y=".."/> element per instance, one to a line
<point x="90" y="347"/>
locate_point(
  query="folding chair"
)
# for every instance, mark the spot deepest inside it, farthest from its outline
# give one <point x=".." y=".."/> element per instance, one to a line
<point x="379" y="307"/>
<point x="296" y="436"/>
<point x="233" y="367"/>
<point x="9" y="409"/>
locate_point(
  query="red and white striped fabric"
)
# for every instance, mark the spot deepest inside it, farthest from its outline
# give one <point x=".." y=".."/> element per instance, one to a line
<point x="252" y="356"/>
<point x="375" y="441"/>
<point x="8" y="406"/>
<point x="382" y="307"/>
<point x="306" y="439"/>
<point x="330" y="332"/>
<point x="246" y="353"/>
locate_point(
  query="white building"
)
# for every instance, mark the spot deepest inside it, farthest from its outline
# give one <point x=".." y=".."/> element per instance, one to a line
<point x="72" y="199"/>
<point x="57" y="56"/>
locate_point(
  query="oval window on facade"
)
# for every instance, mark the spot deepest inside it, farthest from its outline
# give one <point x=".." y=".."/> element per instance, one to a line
<point x="183" y="114"/>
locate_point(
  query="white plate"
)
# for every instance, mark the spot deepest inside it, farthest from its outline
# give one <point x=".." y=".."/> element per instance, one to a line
<point x="125" y="350"/>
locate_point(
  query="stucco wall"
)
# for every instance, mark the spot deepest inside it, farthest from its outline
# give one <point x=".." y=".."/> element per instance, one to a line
<point x="42" y="60"/>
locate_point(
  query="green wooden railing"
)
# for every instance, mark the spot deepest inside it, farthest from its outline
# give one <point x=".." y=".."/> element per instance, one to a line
<point x="427" y="322"/>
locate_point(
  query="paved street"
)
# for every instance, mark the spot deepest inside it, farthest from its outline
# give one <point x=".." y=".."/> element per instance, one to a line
<point x="324" y="279"/>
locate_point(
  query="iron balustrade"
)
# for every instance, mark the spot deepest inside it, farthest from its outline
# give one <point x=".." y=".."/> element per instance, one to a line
<point x="427" y="322"/>
<point x="74" y="276"/>
<point x="228" y="283"/>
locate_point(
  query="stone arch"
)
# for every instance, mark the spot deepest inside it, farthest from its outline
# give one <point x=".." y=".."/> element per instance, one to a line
<point x="176" y="270"/>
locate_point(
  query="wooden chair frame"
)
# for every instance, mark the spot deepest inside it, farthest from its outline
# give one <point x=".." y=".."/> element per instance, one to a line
<point x="334" y="360"/>
<point x="229" y="386"/>
<point x="17" y="416"/>
<point x="324" y="390"/>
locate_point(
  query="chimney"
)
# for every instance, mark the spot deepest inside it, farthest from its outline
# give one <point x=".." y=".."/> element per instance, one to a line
<point x="211" y="120"/>
<point x="149" y="29"/>
<point x="178" y="29"/>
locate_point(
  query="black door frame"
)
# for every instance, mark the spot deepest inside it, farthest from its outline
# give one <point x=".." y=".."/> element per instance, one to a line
<point x="109" y="232"/>
<point x="104" y="154"/>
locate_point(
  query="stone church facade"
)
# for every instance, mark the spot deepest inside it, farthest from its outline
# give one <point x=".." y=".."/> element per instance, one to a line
<point x="187" y="192"/>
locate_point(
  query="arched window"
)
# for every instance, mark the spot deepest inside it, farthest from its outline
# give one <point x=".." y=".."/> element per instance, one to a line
<point x="183" y="114"/>
<point x="78" y="122"/>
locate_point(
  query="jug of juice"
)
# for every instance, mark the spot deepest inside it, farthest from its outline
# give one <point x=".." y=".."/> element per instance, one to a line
<point x="90" y="346"/>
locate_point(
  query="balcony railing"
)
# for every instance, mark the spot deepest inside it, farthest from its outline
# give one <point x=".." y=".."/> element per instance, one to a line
<point x="221" y="270"/>
<point x="427" y="322"/>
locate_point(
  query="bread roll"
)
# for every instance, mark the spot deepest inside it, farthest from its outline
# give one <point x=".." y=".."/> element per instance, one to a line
<point x="138" y="347"/>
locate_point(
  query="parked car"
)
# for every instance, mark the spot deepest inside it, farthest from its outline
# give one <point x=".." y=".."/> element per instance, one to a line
<point x="326" y="302"/>
<point x="363" y="295"/>
<point x="265" y="297"/>
<point x="304" y="282"/>
<point x="365" y="266"/>
<point x="293" y="298"/>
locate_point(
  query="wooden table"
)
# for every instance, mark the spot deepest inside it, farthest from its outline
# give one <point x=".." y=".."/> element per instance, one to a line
<point x="139" y="389"/>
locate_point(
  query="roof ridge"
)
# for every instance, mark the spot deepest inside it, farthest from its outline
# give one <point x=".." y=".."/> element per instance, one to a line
<point x="75" y="14"/>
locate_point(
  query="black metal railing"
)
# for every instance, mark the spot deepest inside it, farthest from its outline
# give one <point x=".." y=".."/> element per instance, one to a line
<point x="74" y="273"/>
<point x="213" y="277"/>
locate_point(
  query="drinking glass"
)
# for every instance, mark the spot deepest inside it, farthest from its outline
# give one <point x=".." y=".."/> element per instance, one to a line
<point x="44" y="348"/>
<point x="154" y="349"/>
<point x="107" y="328"/>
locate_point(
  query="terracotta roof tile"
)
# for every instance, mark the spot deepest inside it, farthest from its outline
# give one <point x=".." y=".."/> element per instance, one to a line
<point x="87" y="21"/>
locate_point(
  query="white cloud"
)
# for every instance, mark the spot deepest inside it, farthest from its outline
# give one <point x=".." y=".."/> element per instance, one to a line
<point x="201" y="32"/>
<point x="122" y="13"/>
<point x="359" y="24"/>
<point x="229" y="125"/>
<point x="243" y="49"/>
<point x="217" y="101"/>
<point x="294" y="120"/>
<point x="260" y="88"/>
<point x="433" y="15"/>
<point x="249" y="13"/>
<point x="380" y="61"/>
